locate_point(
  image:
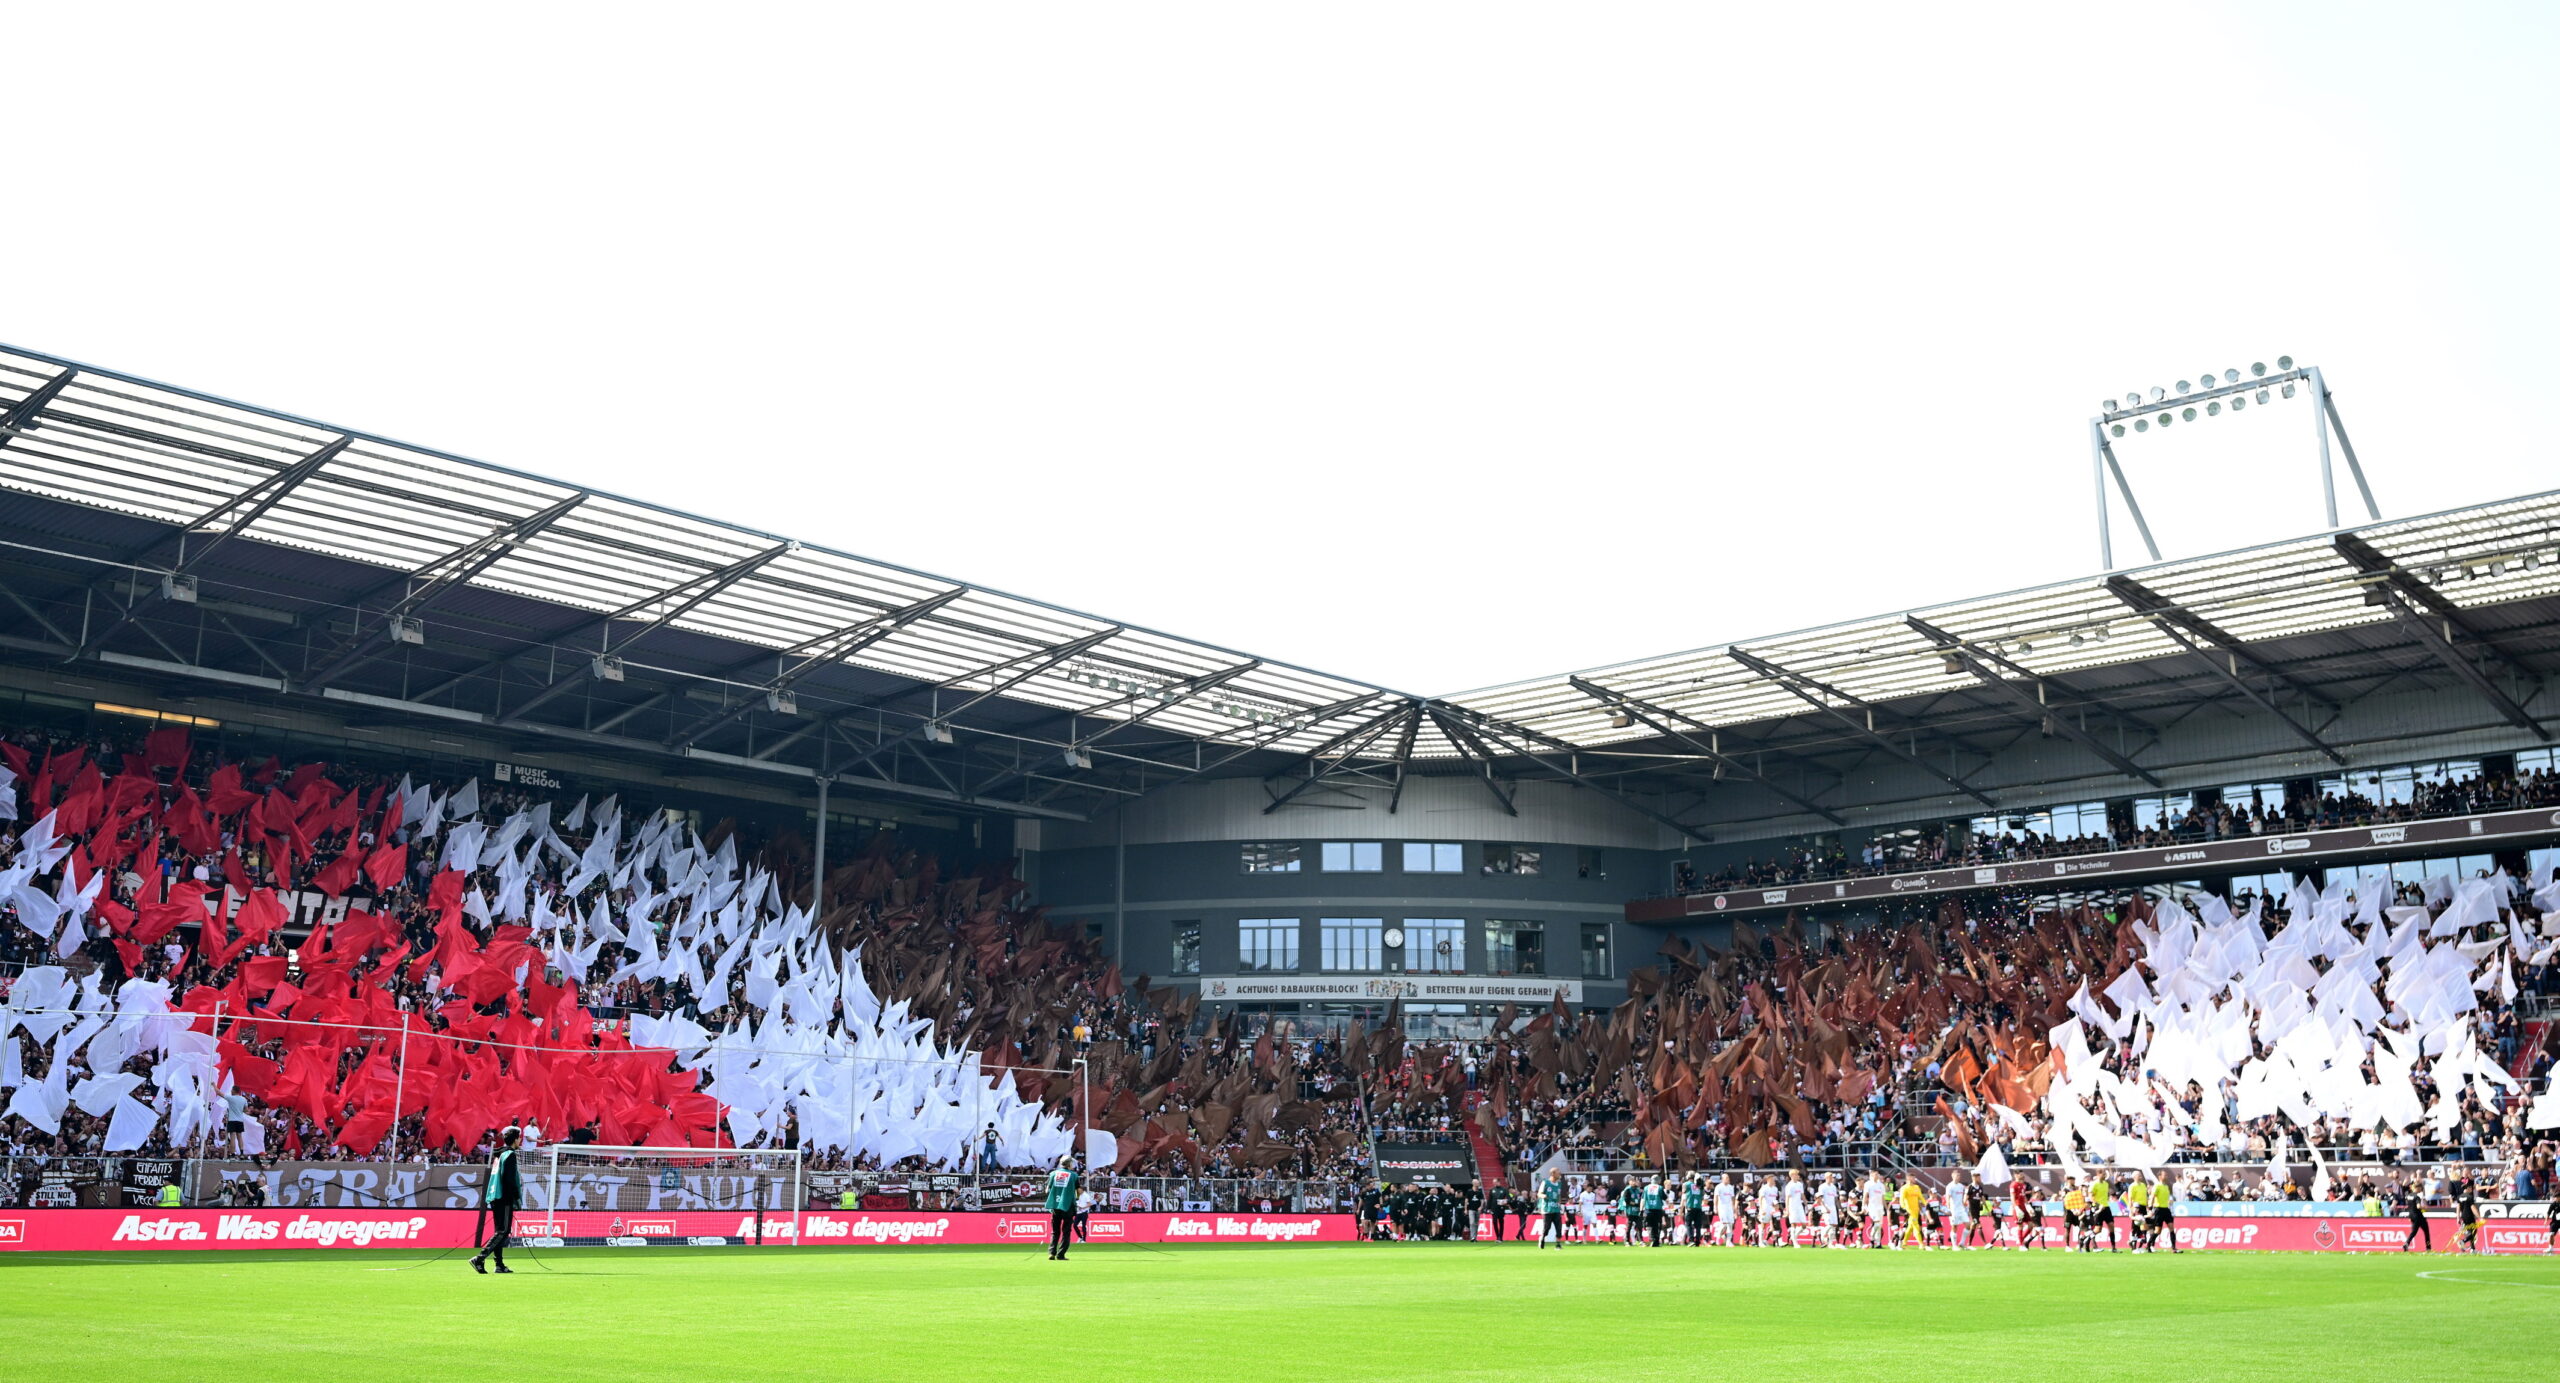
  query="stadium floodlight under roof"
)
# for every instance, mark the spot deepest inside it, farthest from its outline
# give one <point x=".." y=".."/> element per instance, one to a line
<point x="2196" y="400"/>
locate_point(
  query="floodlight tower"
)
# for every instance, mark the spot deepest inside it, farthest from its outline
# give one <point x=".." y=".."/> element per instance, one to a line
<point x="2206" y="397"/>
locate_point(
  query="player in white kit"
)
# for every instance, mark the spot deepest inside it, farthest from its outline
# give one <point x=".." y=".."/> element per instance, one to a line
<point x="1827" y="1206"/>
<point x="1769" y="1212"/>
<point x="1589" y="1204"/>
<point x="1797" y="1214"/>
<point x="1726" y="1210"/>
<point x="1877" y="1226"/>
<point x="1959" y="1206"/>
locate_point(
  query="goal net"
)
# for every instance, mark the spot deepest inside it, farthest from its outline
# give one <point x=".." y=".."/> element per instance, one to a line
<point x="592" y="1194"/>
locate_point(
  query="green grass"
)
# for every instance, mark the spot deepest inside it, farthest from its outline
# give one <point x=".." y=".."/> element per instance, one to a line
<point x="1351" y="1312"/>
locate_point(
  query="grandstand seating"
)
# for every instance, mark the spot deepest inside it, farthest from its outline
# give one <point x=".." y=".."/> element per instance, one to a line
<point x="463" y="930"/>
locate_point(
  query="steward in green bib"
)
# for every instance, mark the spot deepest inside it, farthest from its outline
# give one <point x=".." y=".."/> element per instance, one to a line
<point x="1060" y="1199"/>
<point x="1551" y="1209"/>
<point x="504" y="1192"/>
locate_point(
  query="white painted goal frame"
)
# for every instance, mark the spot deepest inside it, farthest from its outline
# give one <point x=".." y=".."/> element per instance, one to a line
<point x="759" y="1159"/>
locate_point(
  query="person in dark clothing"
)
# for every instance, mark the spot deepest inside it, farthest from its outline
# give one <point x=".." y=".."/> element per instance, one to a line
<point x="504" y="1192"/>
<point x="1497" y="1204"/>
<point x="2417" y="1213"/>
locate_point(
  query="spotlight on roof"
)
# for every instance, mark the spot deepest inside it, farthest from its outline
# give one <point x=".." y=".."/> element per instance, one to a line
<point x="1620" y="720"/>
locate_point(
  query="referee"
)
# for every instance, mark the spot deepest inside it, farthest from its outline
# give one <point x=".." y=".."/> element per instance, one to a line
<point x="505" y="1192"/>
<point x="1064" y="1184"/>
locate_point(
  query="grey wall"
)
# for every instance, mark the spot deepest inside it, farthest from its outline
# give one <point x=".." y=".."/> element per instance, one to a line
<point x="1204" y="881"/>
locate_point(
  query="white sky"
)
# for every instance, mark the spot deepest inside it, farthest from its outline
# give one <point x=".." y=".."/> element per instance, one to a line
<point x="1433" y="345"/>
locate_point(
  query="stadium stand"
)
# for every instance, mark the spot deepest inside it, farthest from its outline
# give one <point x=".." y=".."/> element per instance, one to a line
<point x="291" y="867"/>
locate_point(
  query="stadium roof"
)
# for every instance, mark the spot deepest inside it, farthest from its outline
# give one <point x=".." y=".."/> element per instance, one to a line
<point x="378" y="574"/>
<point x="2461" y="559"/>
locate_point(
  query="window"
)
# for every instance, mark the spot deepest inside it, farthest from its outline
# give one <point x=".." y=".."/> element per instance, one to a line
<point x="1435" y="945"/>
<point x="2257" y="797"/>
<point x="1595" y="950"/>
<point x="1354" y="856"/>
<point x="1515" y="948"/>
<point x="2160" y="813"/>
<point x="2080" y="819"/>
<point x="1281" y="858"/>
<point x="1267" y="943"/>
<point x="2075" y="819"/>
<point x="2398" y="786"/>
<point x="1424" y="857"/>
<point x="1186" y="948"/>
<point x="1352" y="944"/>
<point x="2275" y="888"/>
<point x="1507" y="859"/>
<point x="2538" y="761"/>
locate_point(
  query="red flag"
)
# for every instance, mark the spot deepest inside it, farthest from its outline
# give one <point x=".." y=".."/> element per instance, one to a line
<point x="165" y="748"/>
<point x="386" y="866"/>
<point x="339" y="876"/>
<point x="260" y="914"/>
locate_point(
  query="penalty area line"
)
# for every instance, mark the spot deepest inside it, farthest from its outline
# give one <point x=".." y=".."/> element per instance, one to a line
<point x="2445" y="1275"/>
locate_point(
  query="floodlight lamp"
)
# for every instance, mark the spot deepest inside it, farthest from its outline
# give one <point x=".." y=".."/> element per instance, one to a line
<point x="2158" y="393"/>
<point x="2133" y="400"/>
<point x="2288" y="389"/>
<point x="2262" y="396"/>
<point x="2231" y="376"/>
<point x="2186" y="415"/>
<point x="2142" y="424"/>
<point x="2284" y="362"/>
<point x="2077" y="640"/>
<point x="2257" y="367"/>
<point x="2238" y="402"/>
<point x="2212" y="410"/>
<point x="2182" y="386"/>
<point x="2117" y="429"/>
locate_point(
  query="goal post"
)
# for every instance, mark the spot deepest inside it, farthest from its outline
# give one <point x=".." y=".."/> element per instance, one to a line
<point x="611" y="1195"/>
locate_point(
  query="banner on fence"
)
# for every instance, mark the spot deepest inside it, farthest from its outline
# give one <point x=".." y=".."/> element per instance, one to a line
<point x="66" y="1231"/>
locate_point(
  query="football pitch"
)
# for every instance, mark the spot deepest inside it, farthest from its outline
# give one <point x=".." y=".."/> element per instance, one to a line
<point x="1346" y="1312"/>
